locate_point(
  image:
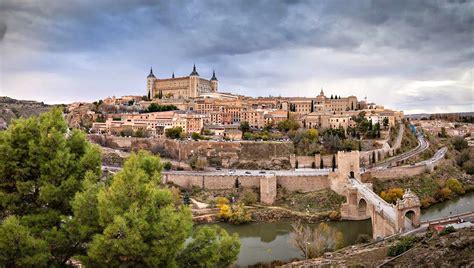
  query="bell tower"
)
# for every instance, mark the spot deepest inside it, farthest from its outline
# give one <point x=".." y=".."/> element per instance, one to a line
<point x="150" y="85"/>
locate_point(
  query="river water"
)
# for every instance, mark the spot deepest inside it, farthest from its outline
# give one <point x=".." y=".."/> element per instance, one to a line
<point x="266" y="242"/>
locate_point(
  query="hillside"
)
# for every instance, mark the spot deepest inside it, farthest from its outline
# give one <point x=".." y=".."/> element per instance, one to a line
<point x="12" y="109"/>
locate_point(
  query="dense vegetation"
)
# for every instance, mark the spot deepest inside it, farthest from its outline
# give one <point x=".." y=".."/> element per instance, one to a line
<point x="55" y="207"/>
<point x="159" y="108"/>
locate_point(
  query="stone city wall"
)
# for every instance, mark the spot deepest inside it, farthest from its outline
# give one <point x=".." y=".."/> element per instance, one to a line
<point x="398" y="172"/>
<point x="307" y="161"/>
<point x="303" y="183"/>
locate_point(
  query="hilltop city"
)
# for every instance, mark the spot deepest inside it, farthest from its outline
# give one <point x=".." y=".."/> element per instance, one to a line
<point x="228" y="134"/>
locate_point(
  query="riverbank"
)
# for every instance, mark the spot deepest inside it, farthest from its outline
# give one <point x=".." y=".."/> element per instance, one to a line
<point x="452" y="250"/>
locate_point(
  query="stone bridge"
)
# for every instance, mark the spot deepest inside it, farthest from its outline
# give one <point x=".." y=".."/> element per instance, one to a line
<point x="363" y="203"/>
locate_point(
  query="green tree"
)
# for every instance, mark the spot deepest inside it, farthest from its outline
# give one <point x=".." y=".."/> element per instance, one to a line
<point x="140" y="225"/>
<point x="42" y="167"/>
<point x="244" y="126"/>
<point x="19" y="248"/>
<point x="459" y="143"/>
<point x="385" y="122"/>
<point x="287" y="125"/>
<point x="174" y="132"/>
<point x="160" y="108"/>
<point x="210" y="247"/>
<point x="195" y="136"/>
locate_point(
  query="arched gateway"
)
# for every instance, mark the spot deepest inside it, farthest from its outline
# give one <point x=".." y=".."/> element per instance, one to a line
<point x="363" y="203"/>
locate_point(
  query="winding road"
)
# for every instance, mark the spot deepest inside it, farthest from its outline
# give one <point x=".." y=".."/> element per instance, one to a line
<point x="422" y="146"/>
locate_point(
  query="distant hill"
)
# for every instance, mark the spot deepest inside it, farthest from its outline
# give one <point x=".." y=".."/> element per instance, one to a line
<point x="11" y="109"/>
<point x="466" y="117"/>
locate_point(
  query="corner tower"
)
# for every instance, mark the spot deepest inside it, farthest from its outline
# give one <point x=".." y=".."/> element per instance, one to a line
<point x="193" y="83"/>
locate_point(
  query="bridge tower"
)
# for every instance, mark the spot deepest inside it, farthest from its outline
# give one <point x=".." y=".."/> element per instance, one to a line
<point x="408" y="207"/>
<point x="347" y="167"/>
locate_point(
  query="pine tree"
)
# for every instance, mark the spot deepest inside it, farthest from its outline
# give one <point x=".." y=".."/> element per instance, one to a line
<point x="41" y="169"/>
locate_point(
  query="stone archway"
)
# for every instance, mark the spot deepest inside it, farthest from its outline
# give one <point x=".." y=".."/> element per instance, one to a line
<point x="408" y="206"/>
<point x="362" y="208"/>
<point x="351" y="175"/>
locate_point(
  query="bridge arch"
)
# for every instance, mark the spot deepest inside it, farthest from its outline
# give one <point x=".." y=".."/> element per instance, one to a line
<point x="362" y="207"/>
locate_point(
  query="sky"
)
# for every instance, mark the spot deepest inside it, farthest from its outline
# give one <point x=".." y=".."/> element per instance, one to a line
<point x="415" y="56"/>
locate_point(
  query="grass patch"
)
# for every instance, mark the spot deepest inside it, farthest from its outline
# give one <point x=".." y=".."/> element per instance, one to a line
<point x="312" y="202"/>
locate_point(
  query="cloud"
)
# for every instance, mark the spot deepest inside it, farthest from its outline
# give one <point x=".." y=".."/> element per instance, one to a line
<point x="373" y="48"/>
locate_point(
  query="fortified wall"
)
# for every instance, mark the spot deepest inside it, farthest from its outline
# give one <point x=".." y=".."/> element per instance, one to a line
<point x="267" y="183"/>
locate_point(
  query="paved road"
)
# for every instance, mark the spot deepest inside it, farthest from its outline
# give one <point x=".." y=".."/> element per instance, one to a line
<point x="422" y="146"/>
<point x="242" y="172"/>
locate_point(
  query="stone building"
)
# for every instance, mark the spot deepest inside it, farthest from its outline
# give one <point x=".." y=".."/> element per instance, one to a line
<point x="191" y="86"/>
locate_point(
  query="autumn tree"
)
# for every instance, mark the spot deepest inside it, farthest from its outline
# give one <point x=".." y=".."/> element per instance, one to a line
<point x="392" y="195"/>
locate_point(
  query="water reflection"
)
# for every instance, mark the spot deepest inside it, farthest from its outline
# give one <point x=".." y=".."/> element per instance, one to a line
<point x="266" y="242"/>
<point x="455" y="206"/>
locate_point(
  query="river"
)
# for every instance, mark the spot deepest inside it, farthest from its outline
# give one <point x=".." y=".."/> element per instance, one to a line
<point x="266" y="242"/>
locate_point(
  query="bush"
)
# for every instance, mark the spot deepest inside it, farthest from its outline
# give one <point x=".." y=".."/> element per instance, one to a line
<point x="239" y="215"/>
<point x="167" y="165"/>
<point x="363" y="238"/>
<point x="334" y="215"/>
<point x="443" y="194"/>
<point x="224" y="212"/>
<point x="427" y="201"/>
<point x="459" y="143"/>
<point x="447" y="230"/>
<point x="455" y="186"/>
<point x="404" y="244"/>
<point x="174" y="132"/>
<point x="249" y="197"/>
<point x="392" y="195"/>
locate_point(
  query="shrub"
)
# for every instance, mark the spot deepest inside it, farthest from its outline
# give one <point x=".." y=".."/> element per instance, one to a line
<point x="249" y="197"/>
<point x="455" y="186"/>
<point x="334" y="215"/>
<point x="239" y="215"/>
<point x="392" y="195"/>
<point x="222" y="201"/>
<point x="224" y="212"/>
<point x="363" y="238"/>
<point x="404" y="244"/>
<point x="447" y="230"/>
<point x="459" y="143"/>
<point x="427" y="201"/>
<point x="167" y="165"/>
<point x="443" y="194"/>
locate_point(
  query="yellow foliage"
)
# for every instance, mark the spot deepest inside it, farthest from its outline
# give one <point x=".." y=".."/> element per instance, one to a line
<point x="224" y="212"/>
<point x="392" y="195"/>
<point x="222" y="201"/>
<point x="455" y="186"/>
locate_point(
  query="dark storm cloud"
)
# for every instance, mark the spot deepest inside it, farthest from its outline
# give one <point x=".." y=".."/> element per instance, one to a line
<point x="254" y="45"/>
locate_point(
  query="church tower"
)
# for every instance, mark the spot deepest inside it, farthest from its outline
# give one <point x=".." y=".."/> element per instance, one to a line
<point x="214" y="82"/>
<point x="193" y="83"/>
<point x="150" y="85"/>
